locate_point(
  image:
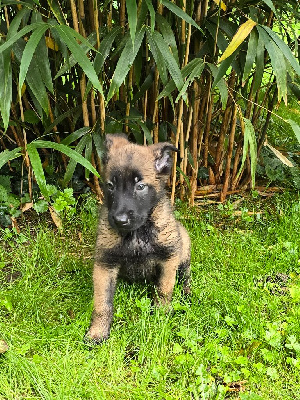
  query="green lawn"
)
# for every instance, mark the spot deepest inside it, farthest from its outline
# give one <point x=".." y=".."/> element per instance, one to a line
<point x="238" y="336"/>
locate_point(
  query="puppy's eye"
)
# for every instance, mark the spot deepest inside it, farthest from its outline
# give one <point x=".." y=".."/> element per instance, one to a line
<point x="140" y="186"/>
<point x="110" y="185"/>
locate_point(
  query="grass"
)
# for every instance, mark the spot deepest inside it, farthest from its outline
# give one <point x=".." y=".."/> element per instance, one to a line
<point x="236" y="337"/>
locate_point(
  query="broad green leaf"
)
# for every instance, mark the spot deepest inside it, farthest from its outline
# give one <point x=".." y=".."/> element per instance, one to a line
<point x="68" y="152"/>
<point x="75" y="135"/>
<point x="249" y="141"/>
<point x="152" y="14"/>
<point x="8" y="155"/>
<point x="125" y="62"/>
<point x="168" y="35"/>
<point x="278" y="64"/>
<point x="146" y="131"/>
<point x="295" y="127"/>
<point x="196" y="72"/>
<point x="243" y="31"/>
<point x="180" y="13"/>
<point x="286" y="51"/>
<point x="67" y="34"/>
<point x="29" y="50"/>
<point x="251" y="54"/>
<point x="270" y="4"/>
<point x="169" y="59"/>
<point x="15" y="23"/>
<point x="5" y="87"/>
<point x="37" y="168"/>
<point x="260" y="64"/>
<point x="72" y="163"/>
<point x="132" y="17"/>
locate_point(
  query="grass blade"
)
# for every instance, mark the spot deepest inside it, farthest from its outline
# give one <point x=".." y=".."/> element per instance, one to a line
<point x="249" y="141"/>
<point x="75" y="135"/>
<point x="196" y="72"/>
<point x="146" y="131"/>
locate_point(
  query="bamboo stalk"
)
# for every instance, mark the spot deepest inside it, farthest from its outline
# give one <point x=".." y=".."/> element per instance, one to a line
<point x="180" y="111"/>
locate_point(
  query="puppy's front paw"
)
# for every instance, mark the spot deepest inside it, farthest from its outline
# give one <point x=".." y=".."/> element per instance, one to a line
<point x="95" y="336"/>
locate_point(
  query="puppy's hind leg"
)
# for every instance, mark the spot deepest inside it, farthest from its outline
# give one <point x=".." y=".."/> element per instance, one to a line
<point x="184" y="276"/>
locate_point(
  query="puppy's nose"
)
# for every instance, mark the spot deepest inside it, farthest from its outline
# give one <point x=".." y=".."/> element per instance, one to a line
<point x="121" y="219"/>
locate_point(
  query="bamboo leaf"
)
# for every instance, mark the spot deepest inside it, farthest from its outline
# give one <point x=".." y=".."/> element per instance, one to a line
<point x="5" y="87"/>
<point x="75" y="135"/>
<point x="295" y="127"/>
<point x="29" y="51"/>
<point x="251" y="54"/>
<point x="168" y="35"/>
<point x="180" y="13"/>
<point x="243" y="31"/>
<point x="196" y="72"/>
<point x="169" y="59"/>
<point x="68" y="152"/>
<point x="88" y="154"/>
<point x="146" y="131"/>
<point x="57" y="11"/>
<point x="125" y="62"/>
<point x="221" y="85"/>
<point x="19" y="34"/>
<point x="67" y="34"/>
<point x="132" y="17"/>
<point x="249" y="141"/>
<point x="260" y="64"/>
<point x="152" y="14"/>
<point x="170" y="87"/>
<point x="73" y="162"/>
<point x="105" y="46"/>
<point x="158" y="58"/>
<point x="37" y="168"/>
<point x="72" y="61"/>
<point x="8" y="155"/>
<point x="278" y="64"/>
<point x="221" y="4"/>
<point x="286" y="51"/>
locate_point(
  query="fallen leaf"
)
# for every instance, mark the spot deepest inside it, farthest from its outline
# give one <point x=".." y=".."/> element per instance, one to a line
<point x="3" y="346"/>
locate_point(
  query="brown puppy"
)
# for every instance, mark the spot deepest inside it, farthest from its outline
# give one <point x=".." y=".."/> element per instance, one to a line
<point x="139" y="238"/>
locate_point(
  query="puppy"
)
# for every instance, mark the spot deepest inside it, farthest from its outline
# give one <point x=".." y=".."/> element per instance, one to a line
<point x="138" y="238"/>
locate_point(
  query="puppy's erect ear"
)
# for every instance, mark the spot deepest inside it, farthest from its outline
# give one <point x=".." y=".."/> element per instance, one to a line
<point x="162" y="156"/>
<point x="113" y="141"/>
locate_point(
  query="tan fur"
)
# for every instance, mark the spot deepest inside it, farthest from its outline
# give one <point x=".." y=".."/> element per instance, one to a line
<point x="167" y="234"/>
